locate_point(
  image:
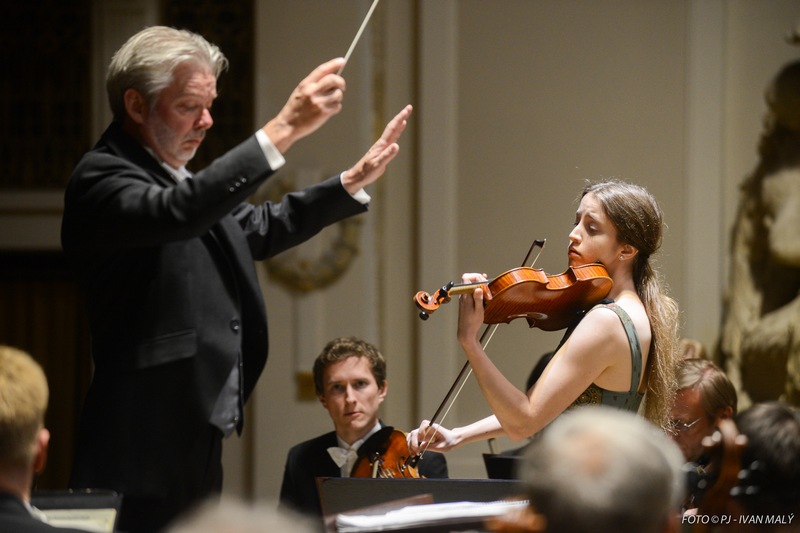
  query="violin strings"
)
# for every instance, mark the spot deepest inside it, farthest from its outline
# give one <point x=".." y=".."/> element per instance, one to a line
<point x="358" y="35"/>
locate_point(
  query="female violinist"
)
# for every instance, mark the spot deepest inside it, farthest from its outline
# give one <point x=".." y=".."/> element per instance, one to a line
<point x="350" y="382"/>
<point x="617" y="353"/>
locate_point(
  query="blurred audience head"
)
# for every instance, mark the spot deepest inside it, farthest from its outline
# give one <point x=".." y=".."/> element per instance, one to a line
<point x="23" y="437"/>
<point x="231" y="515"/>
<point x="603" y="469"/>
<point x="770" y="480"/>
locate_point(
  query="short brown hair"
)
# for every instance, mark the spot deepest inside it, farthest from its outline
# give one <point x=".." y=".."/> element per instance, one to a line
<point x="342" y="348"/>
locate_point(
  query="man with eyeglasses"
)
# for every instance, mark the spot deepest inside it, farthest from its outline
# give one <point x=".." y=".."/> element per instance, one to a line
<point x="705" y="396"/>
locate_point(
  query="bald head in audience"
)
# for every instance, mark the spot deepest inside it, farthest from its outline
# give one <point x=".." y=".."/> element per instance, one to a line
<point x="235" y="516"/>
<point x="603" y="469"/>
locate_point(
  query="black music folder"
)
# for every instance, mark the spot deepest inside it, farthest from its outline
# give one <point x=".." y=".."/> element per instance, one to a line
<point x="339" y="495"/>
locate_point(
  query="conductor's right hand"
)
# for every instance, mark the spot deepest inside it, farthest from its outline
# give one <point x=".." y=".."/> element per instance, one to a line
<point x="315" y="99"/>
<point x="431" y="437"/>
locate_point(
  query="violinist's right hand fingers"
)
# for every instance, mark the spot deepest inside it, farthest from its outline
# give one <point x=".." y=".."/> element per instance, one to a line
<point x="414" y="437"/>
<point x="418" y="438"/>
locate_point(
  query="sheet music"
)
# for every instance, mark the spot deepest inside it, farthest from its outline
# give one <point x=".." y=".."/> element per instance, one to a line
<point x="94" y="520"/>
<point x="419" y="515"/>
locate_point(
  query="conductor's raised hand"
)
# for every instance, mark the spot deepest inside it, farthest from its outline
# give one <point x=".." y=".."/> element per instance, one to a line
<point x="372" y="166"/>
<point x="315" y="99"/>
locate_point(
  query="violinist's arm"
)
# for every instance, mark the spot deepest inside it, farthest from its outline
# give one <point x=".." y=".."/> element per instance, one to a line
<point x="585" y="356"/>
<point x="440" y="439"/>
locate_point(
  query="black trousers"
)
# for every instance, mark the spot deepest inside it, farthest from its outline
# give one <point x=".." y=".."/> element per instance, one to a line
<point x="144" y="514"/>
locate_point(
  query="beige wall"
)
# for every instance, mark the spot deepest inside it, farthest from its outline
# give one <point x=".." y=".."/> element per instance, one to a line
<point x="517" y="102"/>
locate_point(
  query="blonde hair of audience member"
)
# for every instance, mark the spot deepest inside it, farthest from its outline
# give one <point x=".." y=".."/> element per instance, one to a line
<point x="604" y="469"/>
<point x="230" y="515"/>
<point x="23" y="438"/>
<point x="692" y="349"/>
<point x="705" y="396"/>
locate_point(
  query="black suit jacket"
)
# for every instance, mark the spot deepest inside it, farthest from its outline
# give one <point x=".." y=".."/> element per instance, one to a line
<point x="15" y="518"/>
<point x="310" y="459"/>
<point x="173" y="299"/>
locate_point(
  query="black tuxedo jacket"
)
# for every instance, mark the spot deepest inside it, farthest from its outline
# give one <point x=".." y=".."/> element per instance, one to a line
<point x="15" y="518"/>
<point x="310" y="459"/>
<point x="173" y="299"/>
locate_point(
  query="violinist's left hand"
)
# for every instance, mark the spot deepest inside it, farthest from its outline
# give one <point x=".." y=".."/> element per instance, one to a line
<point x="470" y="309"/>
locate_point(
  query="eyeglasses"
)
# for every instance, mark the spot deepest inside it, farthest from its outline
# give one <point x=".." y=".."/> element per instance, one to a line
<point x="676" y="426"/>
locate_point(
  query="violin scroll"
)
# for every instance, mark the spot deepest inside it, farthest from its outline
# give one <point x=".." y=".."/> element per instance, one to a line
<point x="428" y="303"/>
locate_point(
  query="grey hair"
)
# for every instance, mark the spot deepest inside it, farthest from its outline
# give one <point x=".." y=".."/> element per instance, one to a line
<point x="147" y="62"/>
<point x="602" y="469"/>
<point x="237" y="516"/>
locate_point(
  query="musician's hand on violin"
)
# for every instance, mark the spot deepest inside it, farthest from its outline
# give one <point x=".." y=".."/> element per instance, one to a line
<point x="431" y="437"/>
<point x="470" y="309"/>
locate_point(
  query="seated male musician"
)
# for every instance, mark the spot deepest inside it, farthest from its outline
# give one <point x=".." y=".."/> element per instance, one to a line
<point x="705" y="396"/>
<point x="350" y="381"/>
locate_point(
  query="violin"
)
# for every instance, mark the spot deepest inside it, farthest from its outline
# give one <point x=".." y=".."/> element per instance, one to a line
<point x="717" y="482"/>
<point x="385" y="455"/>
<point x="548" y="302"/>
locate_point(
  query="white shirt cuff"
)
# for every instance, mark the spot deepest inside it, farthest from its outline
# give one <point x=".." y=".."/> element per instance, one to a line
<point x="361" y="196"/>
<point x="273" y="155"/>
<point x="276" y="161"/>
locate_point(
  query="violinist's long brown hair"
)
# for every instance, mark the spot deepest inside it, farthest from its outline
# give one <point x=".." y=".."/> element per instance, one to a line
<point x="639" y="222"/>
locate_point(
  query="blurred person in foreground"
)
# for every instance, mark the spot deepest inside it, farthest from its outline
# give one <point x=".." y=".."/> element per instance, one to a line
<point x="767" y="496"/>
<point x="23" y="441"/>
<point x="231" y="515"/>
<point x="603" y="469"/>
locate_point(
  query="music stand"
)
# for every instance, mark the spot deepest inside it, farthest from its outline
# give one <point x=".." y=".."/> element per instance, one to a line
<point x="499" y="466"/>
<point x="339" y="495"/>
<point x="90" y="509"/>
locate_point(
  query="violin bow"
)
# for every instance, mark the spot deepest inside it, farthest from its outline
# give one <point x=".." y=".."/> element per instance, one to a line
<point x="466" y="370"/>
<point x="358" y="35"/>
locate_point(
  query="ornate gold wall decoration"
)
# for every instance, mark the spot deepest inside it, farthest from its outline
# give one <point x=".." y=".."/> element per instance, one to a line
<point x="300" y="273"/>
